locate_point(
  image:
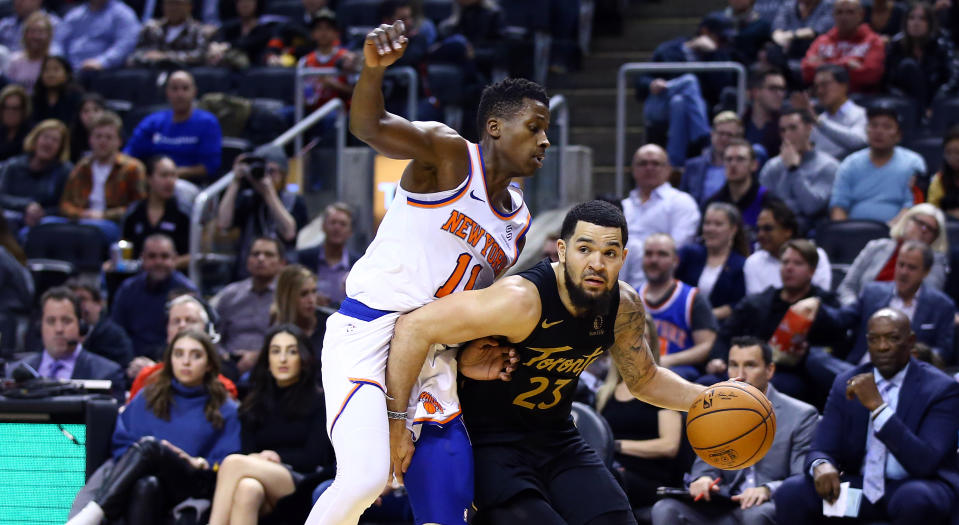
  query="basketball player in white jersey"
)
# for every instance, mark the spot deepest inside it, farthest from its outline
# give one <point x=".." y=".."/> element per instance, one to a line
<point x="455" y="224"/>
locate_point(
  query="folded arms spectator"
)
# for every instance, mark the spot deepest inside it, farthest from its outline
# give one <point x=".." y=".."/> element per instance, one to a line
<point x="176" y="39"/>
<point x="851" y="44"/>
<point x="98" y="34"/>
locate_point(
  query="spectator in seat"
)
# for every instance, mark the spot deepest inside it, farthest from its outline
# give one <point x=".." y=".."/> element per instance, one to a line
<point x="742" y="189"/>
<point x="295" y="303"/>
<point x="332" y="259"/>
<point x="12" y="26"/>
<point x="850" y="44"/>
<point x="798" y="23"/>
<point x="55" y="95"/>
<point x="776" y="225"/>
<point x="262" y="207"/>
<point x="655" y="207"/>
<point x="176" y="40"/>
<point x="766" y="94"/>
<point x="753" y="487"/>
<point x="801" y="175"/>
<point x="648" y="438"/>
<point x="889" y="427"/>
<point x="140" y="303"/>
<point x="64" y="355"/>
<point x="104" y="184"/>
<point x="291" y="40"/>
<point x="327" y="53"/>
<point x="841" y="128"/>
<point x="705" y="174"/>
<point x="15" y="113"/>
<point x="33" y="182"/>
<point x="877" y="260"/>
<point x="242" y="40"/>
<point x="244" y="306"/>
<point x="919" y="59"/>
<point x="285" y="450"/>
<point x="876" y="183"/>
<point x="24" y="66"/>
<point x="760" y="314"/>
<point x="99" y="34"/>
<point x="885" y="17"/>
<point x="683" y="317"/>
<point x="104" y="336"/>
<point x="944" y="188"/>
<point x="715" y="266"/>
<point x="750" y="30"/>
<point x="476" y="25"/>
<point x="930" y="312"/>
<point x="190" y="136"/>
<point x="159" y="213"/>
<point x="177" y="430"/>
<point x="17" y="283"/>
<point x="92" y="105"/>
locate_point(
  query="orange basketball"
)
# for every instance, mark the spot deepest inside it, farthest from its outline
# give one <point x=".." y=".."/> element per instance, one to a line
<point x="731" y="425"/>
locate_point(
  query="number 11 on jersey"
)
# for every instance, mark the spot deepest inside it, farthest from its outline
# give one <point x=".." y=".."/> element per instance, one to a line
<point x="462" y="263"/>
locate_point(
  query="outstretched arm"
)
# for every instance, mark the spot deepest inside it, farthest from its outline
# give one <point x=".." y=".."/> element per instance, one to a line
<point x="647" y="381"/>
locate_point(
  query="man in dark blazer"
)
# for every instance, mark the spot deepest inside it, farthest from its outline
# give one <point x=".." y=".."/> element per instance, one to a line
<point x="63" y="356"/>
<point x="889" y="428"/>
<point x="753" y="487"/>
<point x="931" y="314"/>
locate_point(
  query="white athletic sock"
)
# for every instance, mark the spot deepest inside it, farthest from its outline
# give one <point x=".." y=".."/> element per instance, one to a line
<point x="92" y="514"/>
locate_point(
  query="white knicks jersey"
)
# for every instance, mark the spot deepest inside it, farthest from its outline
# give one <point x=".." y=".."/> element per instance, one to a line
<point x="431" y="245"/>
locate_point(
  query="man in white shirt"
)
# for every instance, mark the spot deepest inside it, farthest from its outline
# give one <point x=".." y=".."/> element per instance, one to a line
<point x="655" y="207"/>
<point x="776" y="225"/>
<point x="841" y="129"/>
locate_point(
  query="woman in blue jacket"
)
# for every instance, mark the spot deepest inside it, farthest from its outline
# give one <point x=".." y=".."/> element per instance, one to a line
<point x="716" y="265"/>
<point x="177" y="429"/>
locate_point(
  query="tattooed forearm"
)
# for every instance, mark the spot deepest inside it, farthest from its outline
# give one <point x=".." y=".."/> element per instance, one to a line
<point x="630" y="351"/>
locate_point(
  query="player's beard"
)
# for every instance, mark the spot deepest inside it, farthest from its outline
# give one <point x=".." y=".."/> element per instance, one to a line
<point x="594" y="305"/>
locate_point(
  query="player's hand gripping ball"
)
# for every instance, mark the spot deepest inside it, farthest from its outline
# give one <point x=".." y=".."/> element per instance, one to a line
<point x="731" y="425"/>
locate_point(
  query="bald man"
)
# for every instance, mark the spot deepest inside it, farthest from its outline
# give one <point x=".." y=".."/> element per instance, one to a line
<point x="655" y="207"/>
<point x="889" y="428"/>
<point x="188" y="135"/>
<point x="851" y="44"/>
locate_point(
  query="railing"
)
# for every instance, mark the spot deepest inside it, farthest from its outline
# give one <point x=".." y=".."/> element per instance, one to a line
<point x="199" y="205"/>
<point x="560" y="106"/>
<point x="412" y="93"/>
<point x="665" y="67"/>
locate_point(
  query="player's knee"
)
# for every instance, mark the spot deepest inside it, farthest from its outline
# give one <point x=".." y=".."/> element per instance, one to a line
<point x="764" y="514"/>
<point x="249" y="493"/>
<point x="666" y="512"/>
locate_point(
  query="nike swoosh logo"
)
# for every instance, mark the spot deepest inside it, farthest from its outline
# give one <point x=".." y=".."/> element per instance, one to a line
<point x="546" y="325"/>
<point x="473" y="196"/>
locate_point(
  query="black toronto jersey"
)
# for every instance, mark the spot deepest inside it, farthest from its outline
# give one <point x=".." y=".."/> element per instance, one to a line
<point x="539" y="397"/>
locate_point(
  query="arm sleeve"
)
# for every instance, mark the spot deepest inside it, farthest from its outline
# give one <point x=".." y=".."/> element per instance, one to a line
<point x="70" y="202"/>
<point x="840" y="190"/>
<point x="299" y="213"/>
<point x="139" y="144"/>
<point x="822" y="277"/>
<point x="809" y="70"/>
<point x="127" y="28"/>
<point x="126" y="433"/>
<point x="211" y="142"/>
<point x="685" y="220"/>
<point x="851" y="137"/>
<point x="922" y="454"/>
<point x="945" y="332"/>
<point x="826" y="441"/>
<point x="229" y="440"/>
<point x="702" y="314"/>
<point x="936" y="193"/>
<point x="872" y="65"/>
<point x="800" y="445"/>
<point x="851" y="285"/>
<point x="812" y="194"/>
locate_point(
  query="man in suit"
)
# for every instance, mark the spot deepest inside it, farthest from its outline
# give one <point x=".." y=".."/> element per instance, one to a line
<point x="753" y="487"/>
<point x="63" y="356"/>
<point x="889" y="428"/>
<point x="332" y="259"/>
<point x="931" y="313"/>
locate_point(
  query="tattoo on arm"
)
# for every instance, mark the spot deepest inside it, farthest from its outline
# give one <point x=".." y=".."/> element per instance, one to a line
<point x="630" y="351"/>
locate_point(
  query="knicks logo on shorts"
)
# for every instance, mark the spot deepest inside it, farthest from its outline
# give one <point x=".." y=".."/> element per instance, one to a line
<point x="430" y="403"/>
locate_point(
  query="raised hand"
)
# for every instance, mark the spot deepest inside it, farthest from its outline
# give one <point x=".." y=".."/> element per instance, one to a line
<point x="385" y="44"/>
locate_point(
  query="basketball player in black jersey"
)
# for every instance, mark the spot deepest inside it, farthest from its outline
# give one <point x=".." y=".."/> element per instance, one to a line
<point x="531" y="465"/>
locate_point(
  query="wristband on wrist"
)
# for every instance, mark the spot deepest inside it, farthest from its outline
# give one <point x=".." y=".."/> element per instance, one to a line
<point x="392" y="414"/>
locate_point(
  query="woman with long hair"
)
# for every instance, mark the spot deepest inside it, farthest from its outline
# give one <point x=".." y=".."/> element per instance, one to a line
<point x="55" y="94"/>
<point x="716" y="265"/>
<point x="944" y="188"/>
<point x="178" y="430"/>
<point x="877" y="260"/>
<point x="15" y="118"/>
<point x="295" y="303"/>
<point x="919" y="58"/>
<point x="92" y="105"/>
<point x="24" y="66"/>
<point x="286" y="451"/>
<point x="33" y="182"/>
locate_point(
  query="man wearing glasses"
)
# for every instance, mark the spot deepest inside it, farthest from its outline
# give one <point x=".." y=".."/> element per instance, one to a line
<point x="655" y="206"/>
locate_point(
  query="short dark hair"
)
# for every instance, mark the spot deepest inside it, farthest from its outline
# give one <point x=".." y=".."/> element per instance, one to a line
<point x="883" y="110"/>
<point x="600" y="213"/>
<point x="928" y="257"/>
<point x="153" y="160"/>
<point x="77" y="283"/>
<point x="160" y="237"/>
<point x="280" y="247"/>
<point x="782" y="214"/>
<point x="61" y="293"/>
<point x="803" y="114"/>
<point x="839" y="73"/>
<point x="748" y="340"/>
<point x="805" y="248"/>
<point x="505" y="98"/>
<point x="757" y="77"/>
<point x="741" y="143"/>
